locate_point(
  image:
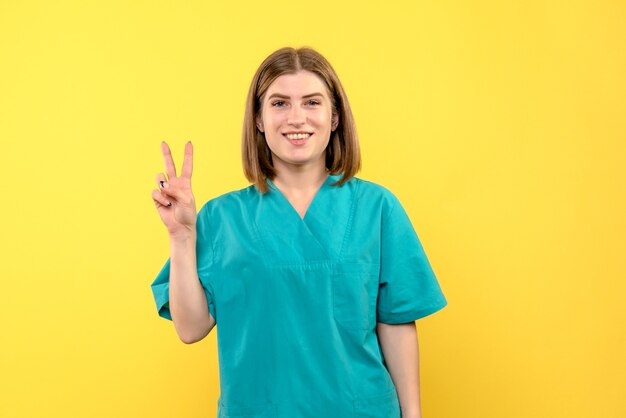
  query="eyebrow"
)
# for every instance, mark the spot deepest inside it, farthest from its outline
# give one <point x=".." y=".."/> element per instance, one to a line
<point x="282" y="96"/>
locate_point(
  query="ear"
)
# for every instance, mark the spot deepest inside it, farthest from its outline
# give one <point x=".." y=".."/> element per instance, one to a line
<point x="334" y="121"/>
<point x="259" y="123"/>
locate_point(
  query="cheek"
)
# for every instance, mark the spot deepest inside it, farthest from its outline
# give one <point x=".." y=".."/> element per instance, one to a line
<point x="272" y="119"/>
<point x="321" y="118"/>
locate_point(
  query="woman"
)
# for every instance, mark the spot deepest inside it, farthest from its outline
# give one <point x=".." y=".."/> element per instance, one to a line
<point x="314" y="276"/>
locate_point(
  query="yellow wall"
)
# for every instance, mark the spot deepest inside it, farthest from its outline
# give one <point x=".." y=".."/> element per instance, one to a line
<point x="501" y="126"/>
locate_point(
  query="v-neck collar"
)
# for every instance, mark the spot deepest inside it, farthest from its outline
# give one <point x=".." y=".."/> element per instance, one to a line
<point x="318" y="237"/>
<point x="331" y="178"/>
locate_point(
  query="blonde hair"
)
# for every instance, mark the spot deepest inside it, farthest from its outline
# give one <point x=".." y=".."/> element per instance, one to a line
<point x="342" y="153"/>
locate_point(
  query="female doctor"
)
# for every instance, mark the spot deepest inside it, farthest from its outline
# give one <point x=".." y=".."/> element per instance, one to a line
<point x="313" y="276"/>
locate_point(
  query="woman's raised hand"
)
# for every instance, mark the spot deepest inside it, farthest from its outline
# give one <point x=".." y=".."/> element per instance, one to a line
<point x="174" y="199"/>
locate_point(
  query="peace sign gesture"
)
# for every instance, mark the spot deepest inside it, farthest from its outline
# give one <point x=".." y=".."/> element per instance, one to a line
<point x="174" y="199"/>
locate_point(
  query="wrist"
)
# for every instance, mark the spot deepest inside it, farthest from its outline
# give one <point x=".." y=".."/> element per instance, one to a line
<point x="183" y="237"/>
<point x="411" y="413"/>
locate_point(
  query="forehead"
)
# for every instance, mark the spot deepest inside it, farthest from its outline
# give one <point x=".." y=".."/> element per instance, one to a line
<point x="298" y="84"/>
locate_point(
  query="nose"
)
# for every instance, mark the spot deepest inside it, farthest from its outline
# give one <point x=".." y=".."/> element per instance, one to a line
<point x="296" y="116"/>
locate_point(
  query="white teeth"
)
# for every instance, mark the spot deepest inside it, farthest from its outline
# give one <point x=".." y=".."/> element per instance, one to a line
<point x="298" y="136"/>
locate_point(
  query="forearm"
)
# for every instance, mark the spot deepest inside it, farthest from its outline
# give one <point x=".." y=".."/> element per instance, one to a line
<point x="400" y="349"/>
<point x="188" y="304"/>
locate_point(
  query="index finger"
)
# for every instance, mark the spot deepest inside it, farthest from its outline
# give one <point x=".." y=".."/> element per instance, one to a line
<point x="170" y="168"/>
<point x="187" y="161"/>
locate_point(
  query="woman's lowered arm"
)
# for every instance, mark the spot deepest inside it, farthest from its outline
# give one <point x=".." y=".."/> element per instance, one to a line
<point x="400" y="348"/>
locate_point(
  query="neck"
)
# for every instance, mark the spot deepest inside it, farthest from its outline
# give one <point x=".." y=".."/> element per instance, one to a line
<point x="300" y="178"/>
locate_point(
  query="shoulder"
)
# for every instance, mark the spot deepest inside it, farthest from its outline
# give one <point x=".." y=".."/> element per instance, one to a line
<point x="371" y="192"/>
<point x="229" y="201"/>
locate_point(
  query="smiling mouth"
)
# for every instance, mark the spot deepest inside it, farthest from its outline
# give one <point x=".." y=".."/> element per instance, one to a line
<point x="297" y="136"/>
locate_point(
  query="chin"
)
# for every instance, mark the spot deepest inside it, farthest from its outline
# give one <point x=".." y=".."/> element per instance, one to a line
<point x="299" y="159"/>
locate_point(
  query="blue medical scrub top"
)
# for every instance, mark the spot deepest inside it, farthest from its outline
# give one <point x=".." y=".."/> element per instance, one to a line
<point x="296" y="300"/>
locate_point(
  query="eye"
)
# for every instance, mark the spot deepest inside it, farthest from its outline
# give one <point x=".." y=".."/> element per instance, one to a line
<point x="278" y="103"/>
<point x="313" y="102"/>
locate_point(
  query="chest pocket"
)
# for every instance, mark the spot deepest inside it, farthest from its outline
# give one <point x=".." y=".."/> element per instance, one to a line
<point x="355" y="289"/>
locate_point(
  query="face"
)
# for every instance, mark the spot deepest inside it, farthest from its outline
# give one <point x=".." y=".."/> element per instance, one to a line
<point x="297" y="120"/>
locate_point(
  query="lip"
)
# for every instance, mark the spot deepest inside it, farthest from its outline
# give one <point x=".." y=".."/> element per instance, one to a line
<point x="298" y="142"/>
<point x="297" y="132"/>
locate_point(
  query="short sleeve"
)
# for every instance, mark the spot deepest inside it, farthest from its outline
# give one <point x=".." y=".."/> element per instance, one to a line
<point x="408" y="288"/>
<point x="204" y="256"/>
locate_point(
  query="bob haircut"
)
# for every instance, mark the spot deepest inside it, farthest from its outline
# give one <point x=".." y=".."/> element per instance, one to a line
<point x="342" y="153"/>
